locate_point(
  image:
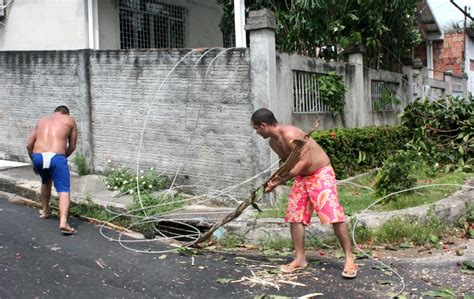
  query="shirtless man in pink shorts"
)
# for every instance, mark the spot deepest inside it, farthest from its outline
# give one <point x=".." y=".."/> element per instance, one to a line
<point x="314" y="189"/>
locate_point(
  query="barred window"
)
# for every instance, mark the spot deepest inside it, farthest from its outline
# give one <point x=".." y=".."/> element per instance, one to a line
<point x="228" y="39"/>
<point x="306" y="96"/>
<point x="151" y="24"/>
<point x="384" y="95"/>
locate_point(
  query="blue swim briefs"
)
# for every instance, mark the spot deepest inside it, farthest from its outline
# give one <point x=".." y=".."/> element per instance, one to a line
<point x="53" y="166"/>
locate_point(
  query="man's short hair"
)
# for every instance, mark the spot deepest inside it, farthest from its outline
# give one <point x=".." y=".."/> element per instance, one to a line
<point x="62" y="109"/>
<point x="263" y="115"/>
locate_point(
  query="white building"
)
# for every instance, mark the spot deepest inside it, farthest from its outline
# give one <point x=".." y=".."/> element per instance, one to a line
<point x="111" y="24"/>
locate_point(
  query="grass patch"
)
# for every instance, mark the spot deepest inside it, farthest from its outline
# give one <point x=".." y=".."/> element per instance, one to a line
<point x="427" y="195"/>
<point x="278" y="211"/>
<point x="96" y="211"/>
<point x="230" y="241"/>
<point x="275" y="246"/>
<point x="155" y="205"/>
<point x="355" y="198"/>
<point x="398" y="230"/>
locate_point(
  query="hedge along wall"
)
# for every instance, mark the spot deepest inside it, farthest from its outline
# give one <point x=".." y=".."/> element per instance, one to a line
<point x="199" y="127"/>
<point x="358" y="150"/>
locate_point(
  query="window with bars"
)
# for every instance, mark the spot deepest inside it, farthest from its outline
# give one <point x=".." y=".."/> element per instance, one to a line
<point x="228" y="39"/>
<point x="151" y="24"/>
<point x="384" y="95"/>
<point x="306" y="96"/>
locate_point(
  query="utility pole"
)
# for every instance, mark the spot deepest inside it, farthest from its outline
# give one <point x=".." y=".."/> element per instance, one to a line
<point x="464" y="11"/>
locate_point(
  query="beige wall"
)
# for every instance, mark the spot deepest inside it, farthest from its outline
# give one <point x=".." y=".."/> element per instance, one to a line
<point x="45" y="25"/>
<point x="109" y="24"/>
<point x="63" y="24"/>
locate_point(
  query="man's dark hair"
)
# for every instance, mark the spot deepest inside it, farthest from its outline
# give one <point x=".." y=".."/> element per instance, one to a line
<point x="63" y="109"/>
<point x="263" y="115"/>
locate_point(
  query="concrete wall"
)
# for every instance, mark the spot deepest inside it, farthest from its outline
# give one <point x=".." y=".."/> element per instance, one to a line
<point x="199" y="127"/>
<point x="45" y="25"/>
<point x="285" y="65"/>
<point x="378" y="118"/>
<point x="358" y="110"/>
<point x="33" y="84"/>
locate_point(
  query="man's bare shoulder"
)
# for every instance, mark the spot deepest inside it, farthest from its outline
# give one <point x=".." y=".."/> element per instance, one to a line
<point x="43" y="120"/>
<point x="292" y="132"/>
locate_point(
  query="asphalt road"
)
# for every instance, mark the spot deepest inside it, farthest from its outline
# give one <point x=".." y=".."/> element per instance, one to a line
<point x="36" y="261"/>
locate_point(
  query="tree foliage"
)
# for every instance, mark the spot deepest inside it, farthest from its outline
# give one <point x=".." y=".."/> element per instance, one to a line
<point x="323" y="28"/>
<point x="442" y="130"/>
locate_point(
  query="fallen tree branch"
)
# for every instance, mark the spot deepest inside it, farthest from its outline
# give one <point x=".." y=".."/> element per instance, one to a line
<point x="257" y="193"/>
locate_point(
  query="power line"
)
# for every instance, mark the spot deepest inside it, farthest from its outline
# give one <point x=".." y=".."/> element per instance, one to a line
<point x="462" y="10"/>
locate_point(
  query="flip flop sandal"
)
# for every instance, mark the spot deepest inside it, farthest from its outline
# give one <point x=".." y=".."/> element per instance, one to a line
<point x="68" y="231"/>
<point x="44" y="215"/>
<point x="291" y="269"/>
<point x="347" y="274"/>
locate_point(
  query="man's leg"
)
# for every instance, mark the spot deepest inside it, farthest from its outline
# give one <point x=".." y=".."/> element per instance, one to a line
<point x="342" y="233"/>
<point x="64" y="202"/>
<point x="297" y="235"/>
<point x="45" y="196"/>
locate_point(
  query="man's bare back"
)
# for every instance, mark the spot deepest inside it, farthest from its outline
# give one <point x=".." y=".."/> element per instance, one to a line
<point x="55" y="134"/>
<point x="312" y="157"/>
<point x="50" y="143"/>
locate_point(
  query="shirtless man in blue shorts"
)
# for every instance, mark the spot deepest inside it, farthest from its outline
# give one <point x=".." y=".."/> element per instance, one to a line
<point x="49" y="144"/>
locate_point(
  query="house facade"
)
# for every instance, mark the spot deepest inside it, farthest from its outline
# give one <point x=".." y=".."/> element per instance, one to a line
<point x="109" y="24"/>
<point x="445" y="53"/>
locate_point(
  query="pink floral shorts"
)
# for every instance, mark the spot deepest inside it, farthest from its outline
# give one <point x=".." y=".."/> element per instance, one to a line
<point x="315" y="192"/>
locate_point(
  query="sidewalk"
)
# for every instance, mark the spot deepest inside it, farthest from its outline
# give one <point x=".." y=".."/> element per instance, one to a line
<point x="19" y="178"/>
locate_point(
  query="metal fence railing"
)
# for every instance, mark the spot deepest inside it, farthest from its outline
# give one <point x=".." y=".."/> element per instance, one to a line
<point x="306" y="95"/>
<point x="151" y="24"/>
<point x="384" y="95"/>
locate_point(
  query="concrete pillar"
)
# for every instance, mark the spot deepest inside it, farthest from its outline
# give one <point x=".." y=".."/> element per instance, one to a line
<point x="408" y="84"/>
<point x="261" y="26"/>
<point x="448" y="78"/>
<point x="417" y="74"/>
<point x="357" y="104"/>
<point x="86" y="145"/>
<point x="465" y="89"/>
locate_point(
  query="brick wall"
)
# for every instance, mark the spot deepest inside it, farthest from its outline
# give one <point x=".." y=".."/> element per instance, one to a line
<point x="448" y="54"/>
<point x="199" y="127"/>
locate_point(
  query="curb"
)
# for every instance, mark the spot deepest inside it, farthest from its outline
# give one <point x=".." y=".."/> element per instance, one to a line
<point x="447" y="209"/>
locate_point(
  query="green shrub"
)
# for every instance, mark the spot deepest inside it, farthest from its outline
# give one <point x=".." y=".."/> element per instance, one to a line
<point x="120" y="179"/>
<point x="397" y="173"/>
<point x="81" y="164"/>
<point x="332" y="91"/>
<point x="155" y="205"/>
<point x="358" y="150"/>
<point x="442" y="130"/>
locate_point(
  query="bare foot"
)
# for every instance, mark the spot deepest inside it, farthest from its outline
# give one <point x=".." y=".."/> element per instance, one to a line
<point x="44" y="213"/>
<point x="67" y="230"/>
<point x="293" y="266"/>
